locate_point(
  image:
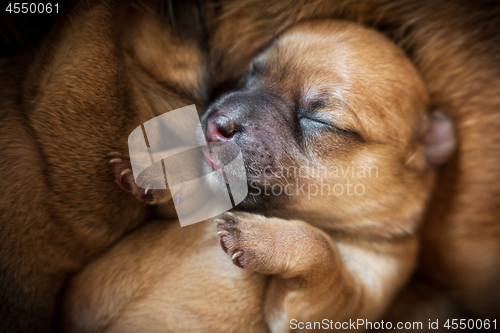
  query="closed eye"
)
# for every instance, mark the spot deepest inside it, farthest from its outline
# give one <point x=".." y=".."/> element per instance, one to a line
<point x="313" y="126"/>
<point x="310" y="124"/>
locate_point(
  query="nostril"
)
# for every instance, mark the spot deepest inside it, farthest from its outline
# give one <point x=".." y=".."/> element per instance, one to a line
<point x="225" y="126"/>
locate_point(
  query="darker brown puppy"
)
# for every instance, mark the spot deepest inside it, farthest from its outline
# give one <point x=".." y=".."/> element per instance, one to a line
<point x="454" y="45"/>
<point x="105" y="68"/>
<point x="333" y="125"/>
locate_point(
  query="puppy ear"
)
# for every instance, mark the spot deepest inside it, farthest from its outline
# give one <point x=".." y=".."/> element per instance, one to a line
<point x="433" y="142"/>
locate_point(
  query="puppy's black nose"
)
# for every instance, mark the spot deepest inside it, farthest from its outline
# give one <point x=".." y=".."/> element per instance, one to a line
<point x="224" y="125"/>
<point x="220" y="127"/>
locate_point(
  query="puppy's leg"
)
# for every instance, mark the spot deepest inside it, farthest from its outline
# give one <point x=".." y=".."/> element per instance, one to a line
<point x="317" y="276"/>
<point x="143" y="189"/>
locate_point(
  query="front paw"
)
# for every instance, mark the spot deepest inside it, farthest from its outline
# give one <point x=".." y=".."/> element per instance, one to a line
<point x="143" y="189"/>
<point x="243" y="237"/>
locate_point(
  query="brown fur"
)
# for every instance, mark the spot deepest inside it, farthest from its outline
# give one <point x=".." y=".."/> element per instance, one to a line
<point x="336" y="257"/>
<point x="64" y="108"/>
<point x="455" y="46"/>
<point x="421" y="303"/>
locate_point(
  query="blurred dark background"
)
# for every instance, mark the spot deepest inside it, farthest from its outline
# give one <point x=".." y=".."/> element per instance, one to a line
<point x="23" y="31"/>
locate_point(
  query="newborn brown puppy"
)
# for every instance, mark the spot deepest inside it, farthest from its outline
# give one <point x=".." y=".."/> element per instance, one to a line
<point x="103" y="69"/>
<point x="325" y="96"/>
<point x="454" y="46"/>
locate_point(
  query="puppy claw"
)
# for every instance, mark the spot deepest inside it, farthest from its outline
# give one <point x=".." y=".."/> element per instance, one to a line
<point x="223" y="233"/>
<point x="124" y="172"/>
<point x="236" y="256"/>
<point x="123" y="180"/>
<point x="222" y="245"/>
<point x="121" y="170"/>
<point x="148" y="193"/>
<point x="220" y="221"/>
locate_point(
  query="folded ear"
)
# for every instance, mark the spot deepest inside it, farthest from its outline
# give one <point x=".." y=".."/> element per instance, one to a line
<point x="433" y="142"/>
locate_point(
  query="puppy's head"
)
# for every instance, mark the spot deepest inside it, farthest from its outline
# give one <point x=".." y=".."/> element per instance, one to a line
<point x="332" y="119"/>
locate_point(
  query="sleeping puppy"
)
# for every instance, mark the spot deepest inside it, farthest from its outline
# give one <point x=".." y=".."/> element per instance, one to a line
<point x="454" y="46"/>
<point x="324" y="240"/>
<point x="103" y="69"/>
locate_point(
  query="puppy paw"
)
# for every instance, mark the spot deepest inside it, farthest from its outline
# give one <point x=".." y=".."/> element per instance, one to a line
<point x="243" y="237"/>
<point x="143" y="189"/>
<point x="122" y="171"/>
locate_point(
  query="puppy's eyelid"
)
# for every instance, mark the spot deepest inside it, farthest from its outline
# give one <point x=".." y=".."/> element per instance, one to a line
<point x="328" y="125"/>
<point x="311" y="113"/>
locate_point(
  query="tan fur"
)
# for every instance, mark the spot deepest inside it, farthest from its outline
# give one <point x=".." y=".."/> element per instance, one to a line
<point x="455" y="46"/>
<point x="177" y="289"/>
<point x="64" y="108"/>
<point x="333" y="257"/>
